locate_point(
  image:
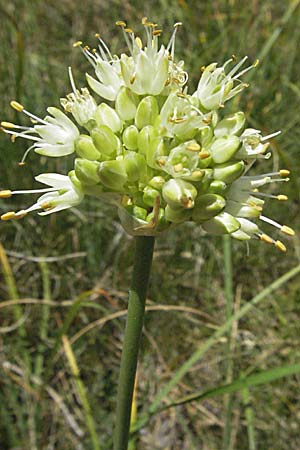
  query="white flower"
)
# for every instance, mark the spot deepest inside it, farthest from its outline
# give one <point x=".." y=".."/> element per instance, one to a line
<point x="254" y="145"/>
<point x="216" y="87"/>
<point x="81" y="105"/>
<point x="55" y="135"/>
<point x="61" y="194"/>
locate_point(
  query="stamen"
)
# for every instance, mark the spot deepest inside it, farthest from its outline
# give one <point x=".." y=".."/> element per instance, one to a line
<point x="287" y="230"/>
<point x="73" y="82"/>
<point x="284" y="172"/>
<point x="32" y="191"/>
<point x="265" y="238"/>
<point x="204" y="155"/>
<point x="5" y="194"/>
<point x="121" y="23"/>
<point x="17" y="106"/>
<point x="8" y="216"/>
<point x="270" y="136"/>
<point x="193" y="147"/>
<point x="77" y="44"/>
<point x="280" y="246"/>
<point x="283" y="228"/>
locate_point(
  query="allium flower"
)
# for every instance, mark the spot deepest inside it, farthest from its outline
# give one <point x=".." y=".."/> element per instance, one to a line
<point x="161" y="155"/>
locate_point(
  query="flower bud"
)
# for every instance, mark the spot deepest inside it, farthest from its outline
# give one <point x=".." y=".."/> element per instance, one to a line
<point x="147" y="112"/>
<point x="150" y="195"/>
<point x="105" y="115"/>
<point x="105" y="140"/>
<point x="231" y="125"/>
<point x="157" y="182"/>
<point x="228" y="172"/>
<point x="223" y="149"/>
<point x="75" y="181"/>
<point x="87" y="171"/>
<point x="179" y="194"/>
<point x="217" y="187"/>
<point x="156" y="153"/>
<point x="183" y="160"/>
<point x="113" y="174"/>
<point x="177" y="215"/>
<point x="161" y="223"/>
<point x="224" y="223"/>
<point x="139" y="213"/>
<point x="130" y="137"/>
<point x="207" y="206"/>
<point x="205" y="136"/>
<point x="135" y="166"/>
<point x="242" y="210"/>
<point x="145" y="137"/>
<point x="126" y="103"/>
<point x="85" y="148"/>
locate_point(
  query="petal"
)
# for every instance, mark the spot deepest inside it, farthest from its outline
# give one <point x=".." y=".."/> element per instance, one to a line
<point x="55" y="180"/>
<point x="54" y="150"/>
<point x="107" y="92"/>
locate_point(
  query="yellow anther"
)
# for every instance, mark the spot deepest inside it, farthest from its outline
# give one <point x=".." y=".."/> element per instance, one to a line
<point x="7" y="125"/>
<point x="128" y="30"/>
<point x="177" y="24"/>
<point x="187" y="202"/>
<point x="132" y="79"/>
<point x="179" y="120"/>
<point x="97" y="35"/>
<point x="5" y="194"/>
<point x="8" y="216"/>
<point x="46" y="205"/>
<point x="202" y="68"/>
<point x="86" y="47"/>
<point x="256" y="62"/>
<point x="22" y="163"/>
<point x="157" y="32"/>
<point x="193" y="147"/>
<point x="233" y="57"/>
<point x="178" y="167"/>
<point x="287" y="230"/>
<point x="144" y="20"/>
<point x="16" y="105"/>
<point x="167" y="82"/>
<point x="246" y="85"/>
<point x="198" y="173"/>
<point x="121" y="23"/>
<point x="94" y="50"/>
<point x="203" y="155"/>
<point x="266" y="238"/>
<point x="207" y="120"/>
<point x="282" y="197"/>
<point x="161" y="162"/>
<point x="284" y="172"/>
<point x="77" y="44"/>
<point x="280" y="246"/>
<point x="139" y="42"/>
<point x="13" y="138"/>
<point x="180" y="95"/>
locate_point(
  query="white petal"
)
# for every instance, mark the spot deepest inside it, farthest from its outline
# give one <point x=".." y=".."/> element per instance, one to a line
<point x="54" y="150"/>
<point x="107" y="92"/>
<point x="55" y="180"/>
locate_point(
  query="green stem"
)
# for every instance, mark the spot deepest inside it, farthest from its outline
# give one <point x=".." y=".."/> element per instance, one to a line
<point x="135" y="318"/>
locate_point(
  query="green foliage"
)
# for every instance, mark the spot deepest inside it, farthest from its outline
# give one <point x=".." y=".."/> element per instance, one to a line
<point x="88" y="257"/>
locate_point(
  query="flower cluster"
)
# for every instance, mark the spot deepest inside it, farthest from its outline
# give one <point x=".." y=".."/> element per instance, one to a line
<point x="162" y="155"/>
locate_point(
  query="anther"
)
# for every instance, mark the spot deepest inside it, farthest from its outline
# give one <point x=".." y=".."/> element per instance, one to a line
<point x="282" y="197"/>
<point x="280" y="246"/>
<point x="157" y="32"/>
<point x="77" y="44"/>
<point x="187" y="202"/>
<point x="97" y="35"/>
<point x="193" y="147"/>
<point x="256" y="62"/>
<point x="178" y="167"/>
<point x="121" y="23"/>
<point x="46" y="205"/>
<point x="5" y="194"/>
<point x="132" y="79"/>
<point x="266" y="238"/>
<point x="128" y="30"/>
<point x="177" y="24"/>
<point x="8" y="216"/>
<point x="144" y="20"/>
<point x="7" y="125"/>
<point x="22" y="163"/>
<point x="204" y="155"/>
<point x="287" y="230"/>
<point x="202" y="68"/>
<point x="284" y="172"/>
<point x="17" y="106"/>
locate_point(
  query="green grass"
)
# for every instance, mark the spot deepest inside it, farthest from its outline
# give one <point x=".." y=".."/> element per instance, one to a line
<point x="44" y="404"/>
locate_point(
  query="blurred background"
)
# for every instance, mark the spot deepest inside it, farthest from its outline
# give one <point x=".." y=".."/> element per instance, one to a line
<point x="48" y="264"/>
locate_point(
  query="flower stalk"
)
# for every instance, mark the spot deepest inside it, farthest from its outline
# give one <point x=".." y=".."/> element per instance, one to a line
<point x="135" y="318"/>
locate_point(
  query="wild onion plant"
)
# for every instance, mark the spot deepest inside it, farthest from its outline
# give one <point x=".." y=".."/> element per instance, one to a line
<point x="159" y="153"/>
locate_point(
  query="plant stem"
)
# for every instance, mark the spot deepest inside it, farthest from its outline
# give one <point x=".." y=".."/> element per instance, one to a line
<point x="135" y="318"/>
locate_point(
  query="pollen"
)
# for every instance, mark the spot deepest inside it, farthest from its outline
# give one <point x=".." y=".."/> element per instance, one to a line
<point x="17" y="106"/>
<point x="284" y="172"/>
<point x="280" y="246"/>
<point x="8" y="216"/>
<point x="266" y="238"/>
<point x="7" y="125"/>
<point x="157" y="32"/>
<point x="97" y="35"/>
<point x="5" y="194"/>
<point x="287" y="230"/>
<point x="282" y="197"/>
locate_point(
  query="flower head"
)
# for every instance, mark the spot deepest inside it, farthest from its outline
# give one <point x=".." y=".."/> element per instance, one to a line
<point x="161" y="155"/>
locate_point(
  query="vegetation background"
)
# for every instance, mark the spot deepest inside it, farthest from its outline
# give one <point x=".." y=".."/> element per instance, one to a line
<point x="50" y="263"/>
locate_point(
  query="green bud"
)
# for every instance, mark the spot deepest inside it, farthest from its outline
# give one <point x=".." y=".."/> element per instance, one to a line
<point x="150" y="195"/>
<point x="139" y="213"/>
<point x="179" y="193"/>
<point x="145" y="137"/>
<point x="207" y="206"/>
<point x="135" y="166"/>
<point x="224" y="223"/>
<point x="223" y="149"/>
<point x="126" y="103"/>
<point x="231" y="125"/>
<point x="177" y="215"/>
<point x="157" y="182"/>
<point x="147" y="112"/>
<point x="105" y="140"/>
<point x="77" y="183"/>
<point x="130" y="137"/>
<point x="183" y="160"/>
<point x="205" y="136"/>
<point x="113" y="174"/>
<point x="228" y="172"/>
<point x="96" y="190"/>
<point x="156" y="153"/>
<point x="87" y="171"/>
<point x="105" y="115"/>
<point x="241" y="210"/>
<point x="217" y="187"/>
<point x="85" y="148"/>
